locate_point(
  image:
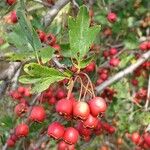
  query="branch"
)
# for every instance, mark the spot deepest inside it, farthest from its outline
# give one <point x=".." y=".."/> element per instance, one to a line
<point x="9" y="73"/>
<point x="51" y="14"/>
<point x="43" y="3"/>
<point x="124" y="73"/>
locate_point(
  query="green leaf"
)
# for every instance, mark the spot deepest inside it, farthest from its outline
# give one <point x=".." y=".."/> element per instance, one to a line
<point x="46" y="54"/>
<point x="41" y="77"/>
<point x="65" y="50"/>
<point x="81" y="36"/>
<point x="27" y="28"/>
<point x="86" y="61"/>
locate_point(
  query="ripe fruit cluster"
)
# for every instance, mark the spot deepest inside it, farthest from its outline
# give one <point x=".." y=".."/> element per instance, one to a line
<point x="48" y="39"/>
<point x="103" y="74"/>
<point x="85" y="113"/>
<point x="22" y="130"/>
<point x="110" y="54"/>
<point x="141" y="141"/>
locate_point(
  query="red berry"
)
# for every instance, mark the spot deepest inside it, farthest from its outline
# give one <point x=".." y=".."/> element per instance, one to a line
<point x="82" y="130"/>
<point x="22" y="130"/>
<point x="50" y="39"/>
<point x="90" y="122"/>
<point x="103" y="76"/>
<point x="64" y="107"/>
<point x="114" y="62"/>
<point x="27" y="92"/>
<point x="148" y="45"/>
<point x="143" y="46"/>
<point x="97" y="105"/>
<point x="42" y="35"/>
<point x="10" y="2"/>
<point x="52" y="101"/>
<point x="62" y="146"/>
<point x="20" y="109"/>
<point x="105" y="54"/>
<point x="21" y="89"/>
<point x="13" y="17"/>
<point x="60" y="94"/>
<point x="147" y="138"/>
<point x="112" y="17"/>
<point x="113" y="51"/>
<point x="81" y="110"/>
<point x="71" y="135"/>
<point x="14" y="137"/>
<point x="37" y="114"/>
<point x="15" y="95"/>
<point x="99" y="81"/>
<point x="98" y="129"/>
<point x="56" y="130"/>
<point x="134" y="82"/>
<point x="10" y="142"/>
<point x="90" y="67"/>
<point x="56" y="47"/>
<point x="135" y="137"/>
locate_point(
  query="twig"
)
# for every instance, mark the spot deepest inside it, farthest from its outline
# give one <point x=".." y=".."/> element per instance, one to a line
<point x="43" y="3"/>
<point x="51" y="14"/>
<point x="14" y="80"/>
<point x="9" y="73"/>
<point x="148" y="95"/>
<point x="124" y="73"/>
<point x="58" y="64"/>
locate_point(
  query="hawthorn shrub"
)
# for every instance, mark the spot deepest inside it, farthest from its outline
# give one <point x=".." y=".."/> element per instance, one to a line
<point x="75" y="75"/>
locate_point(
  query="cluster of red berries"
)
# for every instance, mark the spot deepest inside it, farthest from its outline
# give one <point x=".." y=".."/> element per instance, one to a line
<point x="21" y="95"/>
<point x="145" y="46"/>
<point x="103" y="74"/>
<point x="86" y="114"/>
<point x="140" y="95"/>
<point x="109" y="54"/>
<point x="142" y="141"/>
<point x="48" y="39"/>
<point x="112" y="17"/>
<point x="22" y="130"/>
<point x="51" y="95"/>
